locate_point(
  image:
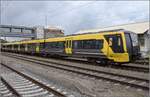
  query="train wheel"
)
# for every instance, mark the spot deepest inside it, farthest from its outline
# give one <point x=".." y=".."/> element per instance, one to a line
<point x="44" y="54"/>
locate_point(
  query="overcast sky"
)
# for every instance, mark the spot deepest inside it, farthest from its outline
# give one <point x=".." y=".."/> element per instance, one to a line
<point x="73" y="16"/>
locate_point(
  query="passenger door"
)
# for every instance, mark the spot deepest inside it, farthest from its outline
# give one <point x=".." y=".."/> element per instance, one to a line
<point x="26" y="47"/>
<point x="37" y="48"/>
<point x="68" y="45"/>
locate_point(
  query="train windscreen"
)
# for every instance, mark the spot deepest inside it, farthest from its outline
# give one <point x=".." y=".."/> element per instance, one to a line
<point x="115" y="42"/>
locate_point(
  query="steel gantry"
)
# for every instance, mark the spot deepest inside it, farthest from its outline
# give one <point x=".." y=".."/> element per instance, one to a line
<point x="17" y="31"/>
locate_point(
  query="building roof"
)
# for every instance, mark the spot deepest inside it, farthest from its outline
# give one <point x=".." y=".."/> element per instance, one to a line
<point x="16" y="27"/>
<point x="53" y="31"/>
<point x="139" y="28"/>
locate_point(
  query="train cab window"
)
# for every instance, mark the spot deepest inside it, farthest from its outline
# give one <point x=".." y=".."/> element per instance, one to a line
<point x="119" y="41"/>
<point x="115" y="42"/>
<point x="110" y="41"/>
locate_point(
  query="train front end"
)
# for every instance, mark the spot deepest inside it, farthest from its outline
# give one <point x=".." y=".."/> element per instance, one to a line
<point x="122" y="46"/>
<point x="132" y="45"/>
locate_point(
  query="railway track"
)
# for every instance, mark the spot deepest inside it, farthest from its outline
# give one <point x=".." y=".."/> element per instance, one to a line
<point x="117" y="78"/>
<point x="5" y="90"/>
<point x="131" y="66"/>
<point x="21" y="84"/>
<point x="143" y="61"/>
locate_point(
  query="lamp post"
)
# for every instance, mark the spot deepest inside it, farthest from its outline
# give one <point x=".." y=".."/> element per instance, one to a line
<point x="46" y="20"/>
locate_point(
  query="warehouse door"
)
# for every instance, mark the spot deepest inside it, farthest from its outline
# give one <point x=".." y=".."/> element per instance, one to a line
<point x="68" y="45"/>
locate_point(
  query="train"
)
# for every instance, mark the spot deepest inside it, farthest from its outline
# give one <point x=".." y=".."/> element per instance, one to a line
<point x="118" y="46"/>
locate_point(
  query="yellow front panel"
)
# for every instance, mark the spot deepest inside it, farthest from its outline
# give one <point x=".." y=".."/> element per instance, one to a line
<point x="116" y="57"/>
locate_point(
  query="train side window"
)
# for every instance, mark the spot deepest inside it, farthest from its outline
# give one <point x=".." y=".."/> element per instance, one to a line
<point x="41" y="45"/>
<point x="93" y="44"/>
<point x="99" y="44"/>
<point x="80" y="44"/>
<point x="75" y="44"/>
<point x="48" y="45"/>
<point x="8" y="46"/>
<point x="55" y="45"/>
<point x="15" y="46"/>
<point x="31" y="46"/>
<point x="88" y="44"/>
<point x="61" y="44"/>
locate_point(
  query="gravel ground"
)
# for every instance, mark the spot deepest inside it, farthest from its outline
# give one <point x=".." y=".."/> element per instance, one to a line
<point x="112" y="70"/>
<point x="84" y="85"/>
<point x="4" y="70"/>
<point x="100" y="68"/>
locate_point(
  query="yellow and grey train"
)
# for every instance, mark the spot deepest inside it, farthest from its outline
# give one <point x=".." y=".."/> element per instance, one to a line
<point x="119" y="46"/>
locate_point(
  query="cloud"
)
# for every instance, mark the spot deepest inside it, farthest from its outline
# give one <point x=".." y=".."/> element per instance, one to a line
<point x="73" y="16"/>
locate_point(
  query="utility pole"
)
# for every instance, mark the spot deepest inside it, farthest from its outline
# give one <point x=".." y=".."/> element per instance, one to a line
<point x="46" y="20"/>
<point x="0" y="51"/>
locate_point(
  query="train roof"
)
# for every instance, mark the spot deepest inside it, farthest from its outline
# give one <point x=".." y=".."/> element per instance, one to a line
<point x="23" y="42"/>
<point x="97" y="31"/>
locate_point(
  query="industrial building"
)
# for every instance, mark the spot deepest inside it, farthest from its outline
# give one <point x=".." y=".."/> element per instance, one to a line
<point x="42" y="33"/>
<point x="140" y="28"/>
<point x="26" y="33"/>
